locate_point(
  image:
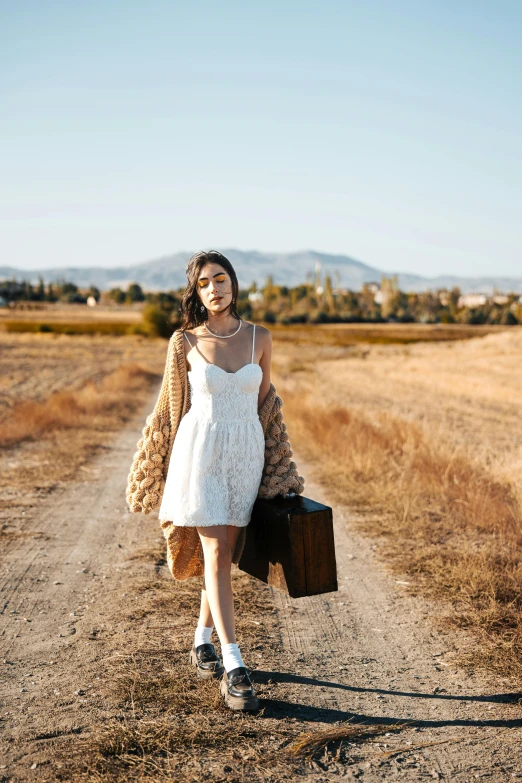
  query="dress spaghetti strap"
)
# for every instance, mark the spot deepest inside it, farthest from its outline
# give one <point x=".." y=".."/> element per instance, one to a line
<point x="188" y="339"/>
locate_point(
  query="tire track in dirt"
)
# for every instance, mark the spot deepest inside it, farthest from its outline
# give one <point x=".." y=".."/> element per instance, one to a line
<point x="370" y="653"/>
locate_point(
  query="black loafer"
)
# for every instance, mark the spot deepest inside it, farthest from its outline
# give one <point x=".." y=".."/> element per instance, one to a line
<point x="207" y="662"/>
<point x="238" y="691"/>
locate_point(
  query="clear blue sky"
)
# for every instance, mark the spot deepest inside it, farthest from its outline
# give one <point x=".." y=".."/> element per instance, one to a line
<point x="390" y="131"/>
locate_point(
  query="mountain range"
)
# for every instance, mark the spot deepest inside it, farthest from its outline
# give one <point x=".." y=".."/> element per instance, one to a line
<point x="168" y="272"/>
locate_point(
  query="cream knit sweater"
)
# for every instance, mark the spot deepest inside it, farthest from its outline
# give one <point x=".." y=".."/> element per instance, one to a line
<point x="146" y="480"/>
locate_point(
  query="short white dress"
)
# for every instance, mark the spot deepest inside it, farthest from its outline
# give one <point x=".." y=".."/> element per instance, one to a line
<point x="217" y="457"/>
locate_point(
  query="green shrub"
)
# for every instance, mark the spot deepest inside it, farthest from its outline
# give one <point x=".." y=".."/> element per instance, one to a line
<point x="508" y="318"/>
<point x="135" y="329"/>
<point x="155" y="322"/>
<point x="269" y="317"/>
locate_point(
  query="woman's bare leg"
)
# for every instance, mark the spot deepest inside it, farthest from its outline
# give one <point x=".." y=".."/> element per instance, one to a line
<point x="205" y="615"/>
<point x="217" y="600"/>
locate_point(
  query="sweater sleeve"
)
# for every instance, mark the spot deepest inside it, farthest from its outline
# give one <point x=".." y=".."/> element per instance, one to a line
<point x="146" y="479"/>
<point x="280" y="473"/>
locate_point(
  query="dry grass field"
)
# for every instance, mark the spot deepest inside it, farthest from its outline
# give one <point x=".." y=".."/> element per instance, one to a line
<point x="62" y="399"/>
<point x="72" y="319"/>
<point x="343" y="335"/>
<point x="426" y="437"/>
<point x="58" y="312"/>
<point x="421" y="438"/>
<point x="36" y="365"/>
<point x="427" y="441"/>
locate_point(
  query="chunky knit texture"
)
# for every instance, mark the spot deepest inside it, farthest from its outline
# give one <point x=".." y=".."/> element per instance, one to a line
<point x="146" y="480"/>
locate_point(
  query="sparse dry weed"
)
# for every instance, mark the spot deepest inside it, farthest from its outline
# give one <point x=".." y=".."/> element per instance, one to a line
<point x="165" y="724"/>
<point x="62" y="399"/>
<point x="66" y="409"/>
<point x="443" y="516"/>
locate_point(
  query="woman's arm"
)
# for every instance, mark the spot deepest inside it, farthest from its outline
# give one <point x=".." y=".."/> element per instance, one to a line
<point x="264" y="363"/>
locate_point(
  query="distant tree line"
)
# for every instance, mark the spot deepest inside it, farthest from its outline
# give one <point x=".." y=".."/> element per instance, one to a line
<point x="60" y="291"/>
<point x="376" y="303"/>
<point x="311" y="302"/>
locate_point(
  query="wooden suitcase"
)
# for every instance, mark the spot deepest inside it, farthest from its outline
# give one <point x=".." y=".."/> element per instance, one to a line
<point x="289" y="544"/>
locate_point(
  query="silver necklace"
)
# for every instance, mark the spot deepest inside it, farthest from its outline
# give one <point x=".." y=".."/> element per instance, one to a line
<point x="224" y="336"/>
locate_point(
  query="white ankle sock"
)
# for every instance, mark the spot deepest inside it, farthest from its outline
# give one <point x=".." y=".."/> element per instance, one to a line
<point x="231" y="657"/>
<point x="203" y="634"/>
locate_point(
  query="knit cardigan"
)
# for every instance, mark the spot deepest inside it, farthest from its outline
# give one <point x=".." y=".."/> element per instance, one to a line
<point x="150" y="464"/>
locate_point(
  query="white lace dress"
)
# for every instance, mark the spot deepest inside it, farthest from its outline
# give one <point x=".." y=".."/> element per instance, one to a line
<point x="217" y="457"/>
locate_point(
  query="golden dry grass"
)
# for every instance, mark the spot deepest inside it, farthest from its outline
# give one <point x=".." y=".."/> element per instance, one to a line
<point x="73" y="327"/>
<point x="311" y="743"/>
<point x="347" y="334"/>
<point x="36" y="365"/>
<point x="466" y="392"/>
<point x="59" y="312"/>
<point x="449" y="510"/>
<point x="70" y="319"/>
<point x="31" y="419"/>
<point x="62" y="399"/>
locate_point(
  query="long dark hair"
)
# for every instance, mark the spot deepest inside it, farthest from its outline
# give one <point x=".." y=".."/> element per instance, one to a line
<point x="191" y="313"/>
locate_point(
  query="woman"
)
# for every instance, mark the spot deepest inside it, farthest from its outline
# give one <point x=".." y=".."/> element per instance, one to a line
<point x="217" y="464"/>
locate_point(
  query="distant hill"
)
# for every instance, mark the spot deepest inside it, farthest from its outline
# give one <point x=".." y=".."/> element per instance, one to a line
<point x="289" y="269"/>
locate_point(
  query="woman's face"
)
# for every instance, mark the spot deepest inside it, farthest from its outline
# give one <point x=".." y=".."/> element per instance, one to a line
<point x="214" y="287"/>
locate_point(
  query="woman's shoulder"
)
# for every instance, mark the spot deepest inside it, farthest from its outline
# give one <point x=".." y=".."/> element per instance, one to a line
<point x="195" y="331"/>
<point x="265" y="338"/>
<point x="260" y="329"/>
<point x="179" y="332"/>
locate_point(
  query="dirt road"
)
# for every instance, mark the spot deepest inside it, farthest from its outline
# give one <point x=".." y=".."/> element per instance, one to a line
<point x="368" y="653"/>
<point x="56" y="588"/>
